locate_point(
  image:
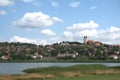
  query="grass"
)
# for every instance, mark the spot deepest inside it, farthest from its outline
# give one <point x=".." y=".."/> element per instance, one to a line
<point x="77" y="72"/>
<point x="81" y="68"/>
<point x="90" y="77"/>
<point x="26" y="77"/>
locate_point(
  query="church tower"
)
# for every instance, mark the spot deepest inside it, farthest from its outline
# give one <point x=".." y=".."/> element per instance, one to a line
<point x="85" y="40"/>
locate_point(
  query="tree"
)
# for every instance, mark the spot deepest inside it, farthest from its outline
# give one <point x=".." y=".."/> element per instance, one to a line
<point x="20" y="56"/>
<point x="53" y="53"/>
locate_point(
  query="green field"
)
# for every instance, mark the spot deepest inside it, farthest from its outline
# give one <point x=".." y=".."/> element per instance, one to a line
<point x="77" y="72"/>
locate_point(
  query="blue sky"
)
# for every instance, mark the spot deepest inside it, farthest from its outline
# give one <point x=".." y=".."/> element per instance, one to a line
<point x="49" y="21"/>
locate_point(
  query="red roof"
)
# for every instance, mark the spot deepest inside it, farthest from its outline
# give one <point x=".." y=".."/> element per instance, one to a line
<point x="91" y="41"/>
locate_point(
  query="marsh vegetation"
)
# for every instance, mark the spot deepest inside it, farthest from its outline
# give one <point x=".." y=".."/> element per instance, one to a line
<point x="77" y="72"/>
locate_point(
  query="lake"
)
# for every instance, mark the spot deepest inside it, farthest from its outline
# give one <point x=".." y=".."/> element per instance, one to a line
<point x="17" y="68"/>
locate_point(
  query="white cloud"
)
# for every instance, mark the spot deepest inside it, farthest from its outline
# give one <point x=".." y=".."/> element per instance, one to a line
<point x="6" y="2"/>
<point x="22" y="40"/>
<point x="48" y="32"/>
<point x="2" y="12"/>
<point x="27" y="40"/>
<point x="92" y="7"/>
<point x="43" y="42"/>
<point x="28" y="1"/>
<point x="88" y="32"/>
<point x="67" y="34"/>
<point x="74" y="4"/>
<point x="54" y="4"/>
<point x="36" y="20"/>
<point x="114" y="29"/>
<point x="80" y="26"/>
<point x="110" y="35"/>
<point x="76" y="32"/>
<point x="56" y="19"/>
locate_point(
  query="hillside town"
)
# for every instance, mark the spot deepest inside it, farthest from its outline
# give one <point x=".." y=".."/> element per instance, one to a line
<point x="87" y="50"/>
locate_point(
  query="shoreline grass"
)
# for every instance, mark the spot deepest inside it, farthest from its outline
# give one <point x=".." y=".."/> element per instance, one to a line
<point x="81" y="68"/>
<point x="76" y="72"/>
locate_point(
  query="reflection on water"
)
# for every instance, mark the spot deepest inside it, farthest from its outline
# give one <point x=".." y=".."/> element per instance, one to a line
<point x="17" y="68"/>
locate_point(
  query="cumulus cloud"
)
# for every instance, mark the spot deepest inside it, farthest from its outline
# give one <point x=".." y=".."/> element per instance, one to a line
<point x="6" y="2"/>
<point x="74" y="4"/>
<point x="75" y="32"/>
<point x="27" y="40"/>
<point x="36" y="20"/>
<point x="111" y="35"/>
<point x="48" y="32"/>
<point x="55" y="4"/>
<point x="114" y="29"/>
<point x="67" y="34"/>
<point x="87" y="32"/>
<point x="42" y="42"/>
<point x="78" y="30"/>
<point x="2" y="12"/>
<point x="92" y="7"/>
<point x="80" y="26"/>
<point x="22" y="40"/>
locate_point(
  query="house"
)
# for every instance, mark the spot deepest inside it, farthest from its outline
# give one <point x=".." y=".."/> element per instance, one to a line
<point x="65" y="56"/>
<point x="90" y="41"/>
<point x="115" y="57"/>
<point x="36" y="56"/>
<point x="97" y="43"/>
<point x="4" y="57"/>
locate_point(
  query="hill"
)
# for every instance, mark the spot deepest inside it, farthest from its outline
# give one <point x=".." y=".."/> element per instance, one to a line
<point x="91" y="50"/>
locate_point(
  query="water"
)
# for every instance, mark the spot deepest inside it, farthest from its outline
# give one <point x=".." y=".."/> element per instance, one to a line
<point x="17" y="68"/>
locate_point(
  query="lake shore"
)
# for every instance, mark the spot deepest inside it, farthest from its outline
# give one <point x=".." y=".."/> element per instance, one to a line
<point x="18" y="67"/>
<point x="76" y="72"/>
<point x="29" y="61"/>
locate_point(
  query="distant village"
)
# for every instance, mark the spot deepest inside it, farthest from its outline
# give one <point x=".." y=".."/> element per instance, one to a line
<point x="88" y="50"/>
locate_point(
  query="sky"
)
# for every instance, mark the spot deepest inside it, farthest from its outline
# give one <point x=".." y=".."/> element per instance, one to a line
<point x="45" y="22"/>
